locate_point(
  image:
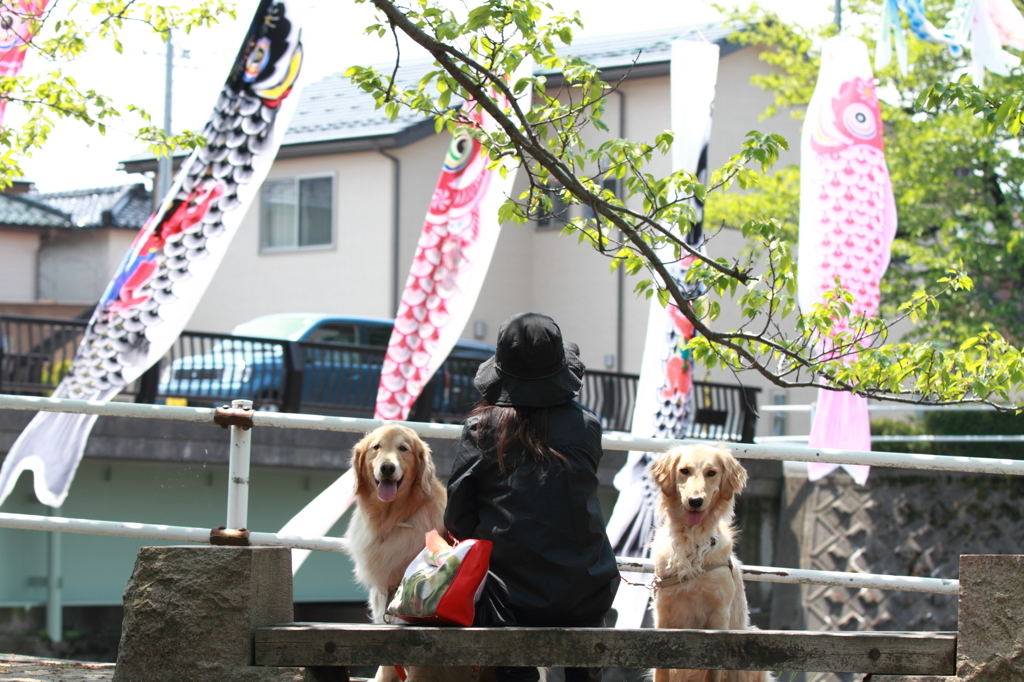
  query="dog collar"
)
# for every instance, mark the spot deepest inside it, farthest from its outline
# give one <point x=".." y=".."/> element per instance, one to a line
<point x="669" y="580"/>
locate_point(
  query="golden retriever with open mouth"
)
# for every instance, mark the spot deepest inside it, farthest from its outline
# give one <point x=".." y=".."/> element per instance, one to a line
<point x="698" y="584"/>
<point x="398" y="500"/>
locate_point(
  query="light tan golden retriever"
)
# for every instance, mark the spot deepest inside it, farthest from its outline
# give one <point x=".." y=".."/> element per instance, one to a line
<point x="698" y="584"/>
<point x="398" y="500"/>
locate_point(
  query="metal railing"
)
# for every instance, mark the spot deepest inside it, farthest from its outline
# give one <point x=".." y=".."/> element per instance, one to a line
<point x="207" y="369"/>
<point x="239" y="462"/>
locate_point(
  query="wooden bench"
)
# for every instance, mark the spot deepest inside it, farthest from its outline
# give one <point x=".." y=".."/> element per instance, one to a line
<point x="208" y="614"/>
<point x="327" y="645"/>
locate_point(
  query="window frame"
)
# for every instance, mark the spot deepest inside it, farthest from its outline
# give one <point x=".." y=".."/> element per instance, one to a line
<point x="296" y="179"/>
<point x="559" y="216"/>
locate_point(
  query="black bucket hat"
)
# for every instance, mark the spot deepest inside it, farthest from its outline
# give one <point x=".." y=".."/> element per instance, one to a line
<point x="531" y="366"/>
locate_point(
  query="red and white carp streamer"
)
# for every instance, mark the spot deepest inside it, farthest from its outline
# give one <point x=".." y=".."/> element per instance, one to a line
<point x="176" y="254"/>
<point x="16" y="20"/>
<point x="452" y="258"/>
<point x="847" y="222"/>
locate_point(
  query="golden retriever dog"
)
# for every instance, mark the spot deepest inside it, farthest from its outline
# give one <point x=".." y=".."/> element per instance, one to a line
<point x="697" y="583"/>
<point x="398" y="500"/>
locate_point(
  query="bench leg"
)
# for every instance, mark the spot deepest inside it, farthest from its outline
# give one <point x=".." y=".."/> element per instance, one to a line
<point x="327" y="673"/>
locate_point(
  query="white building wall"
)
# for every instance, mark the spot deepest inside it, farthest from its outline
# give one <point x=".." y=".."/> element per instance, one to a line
<point x="18" y="266"/>
<point x="351" y="277"/>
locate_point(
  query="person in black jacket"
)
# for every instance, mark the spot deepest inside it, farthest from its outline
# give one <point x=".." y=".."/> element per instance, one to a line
<point x="525" y="478"/>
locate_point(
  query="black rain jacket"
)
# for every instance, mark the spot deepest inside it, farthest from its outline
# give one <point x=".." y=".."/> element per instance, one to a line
<point x="550" y="546"/>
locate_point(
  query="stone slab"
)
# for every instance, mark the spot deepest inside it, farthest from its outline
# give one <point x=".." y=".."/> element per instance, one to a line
<point x="15" y="668"/>
<point x="190" y="614"/>
<point x="990" y="641"/>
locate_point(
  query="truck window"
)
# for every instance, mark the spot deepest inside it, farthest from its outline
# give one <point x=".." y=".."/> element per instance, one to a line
<point x="377" y="335"/>
<point x="334" y="333"/>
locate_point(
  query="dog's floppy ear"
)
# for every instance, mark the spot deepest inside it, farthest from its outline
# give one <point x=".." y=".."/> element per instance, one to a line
<point x="663" y="471"/>
<point x="358" y="463"/>
<point x="734" y="476"/>
<point x="428" y="472"/>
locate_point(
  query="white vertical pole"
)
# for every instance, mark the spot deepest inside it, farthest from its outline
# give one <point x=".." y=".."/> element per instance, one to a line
<point x="238" y="472"/>
<point x="165" y="166"/>
<point x="54" y="601"/>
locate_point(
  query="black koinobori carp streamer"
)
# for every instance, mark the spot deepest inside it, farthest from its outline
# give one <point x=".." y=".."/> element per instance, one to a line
<point x="176" y="254"/>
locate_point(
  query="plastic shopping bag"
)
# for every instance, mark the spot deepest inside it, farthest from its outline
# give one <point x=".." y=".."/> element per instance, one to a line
<point x="442" y="585"/>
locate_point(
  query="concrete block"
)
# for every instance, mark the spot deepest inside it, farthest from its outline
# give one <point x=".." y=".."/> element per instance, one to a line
<point x="990" y="637"/>
<point x="190" y="614"/>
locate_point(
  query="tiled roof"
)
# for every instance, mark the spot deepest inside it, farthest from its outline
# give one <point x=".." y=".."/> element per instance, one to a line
<point x="126" y="206"/>
<point x="647" y="47"/>
<point x="20" y="211"/>
<point x="333" y="110"/>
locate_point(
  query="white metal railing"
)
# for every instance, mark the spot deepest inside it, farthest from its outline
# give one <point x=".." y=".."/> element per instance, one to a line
<point x="906" y="407"/>
<point x="239" y="474"/>
<point x="611" y="441"/>
<point x="326" y="544"/>
<point x="921" y="438"/>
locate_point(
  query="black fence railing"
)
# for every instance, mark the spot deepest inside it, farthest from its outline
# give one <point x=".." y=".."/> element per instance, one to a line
<point x="206" y="369"/>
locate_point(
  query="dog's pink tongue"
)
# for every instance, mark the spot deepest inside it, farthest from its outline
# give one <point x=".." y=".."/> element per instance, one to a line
<point x="694" y="517"/>
<point x="387" y="490"/>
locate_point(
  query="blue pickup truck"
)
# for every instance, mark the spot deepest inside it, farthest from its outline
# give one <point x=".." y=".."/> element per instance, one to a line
<point x="337" y="358"/>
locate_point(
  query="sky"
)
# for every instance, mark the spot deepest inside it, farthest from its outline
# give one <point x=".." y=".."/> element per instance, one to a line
<point x="77" y="157"/>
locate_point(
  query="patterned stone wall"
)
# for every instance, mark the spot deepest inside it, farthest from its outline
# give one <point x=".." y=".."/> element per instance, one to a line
<point x="901" y="523"/>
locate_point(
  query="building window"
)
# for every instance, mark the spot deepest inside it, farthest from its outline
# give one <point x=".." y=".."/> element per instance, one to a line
<point x="610" y="184"/>
<point x="296" y="213"/>
<point x="557" y="216"/>
<point x="779" y="421"/>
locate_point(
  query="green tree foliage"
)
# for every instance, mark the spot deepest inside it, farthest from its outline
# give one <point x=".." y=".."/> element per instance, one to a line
<point x="956" y="169"/>
<point x="64" y="32"/>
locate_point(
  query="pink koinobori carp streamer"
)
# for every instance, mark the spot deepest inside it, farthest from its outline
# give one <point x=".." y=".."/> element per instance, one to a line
<point x="847" y="221"/>
<point x="452" y="257"/>
<point x="448" y="269"/>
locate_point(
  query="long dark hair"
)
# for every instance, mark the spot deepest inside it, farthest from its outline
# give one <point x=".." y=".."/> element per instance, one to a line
<point x="517" y="426"/>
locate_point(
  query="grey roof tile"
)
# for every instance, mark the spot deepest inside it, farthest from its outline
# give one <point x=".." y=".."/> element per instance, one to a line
<point x="21" y="211"/>
<point x="124" y="206"/>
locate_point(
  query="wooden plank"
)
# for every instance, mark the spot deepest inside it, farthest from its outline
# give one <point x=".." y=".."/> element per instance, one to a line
<point x="327" y="644"/>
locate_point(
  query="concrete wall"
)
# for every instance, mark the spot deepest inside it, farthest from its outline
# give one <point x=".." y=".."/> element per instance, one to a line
<point x="76" y="266"/>
<point x="18" y="269"/>
<point x="183" y="482"/>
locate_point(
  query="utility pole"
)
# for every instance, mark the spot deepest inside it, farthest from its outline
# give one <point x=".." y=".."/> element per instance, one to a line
<point x="165" y="169"/>
<point x="837" y="15"/>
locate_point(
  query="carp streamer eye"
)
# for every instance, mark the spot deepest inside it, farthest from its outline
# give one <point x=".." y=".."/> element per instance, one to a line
<point x="860" y="121"/>
<point x="257" y="60"/>
<point x="460" y="151"/>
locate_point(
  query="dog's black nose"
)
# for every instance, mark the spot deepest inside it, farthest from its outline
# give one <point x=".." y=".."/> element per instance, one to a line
<point x="696" y="502"/>
<point x="387" y="469"/>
